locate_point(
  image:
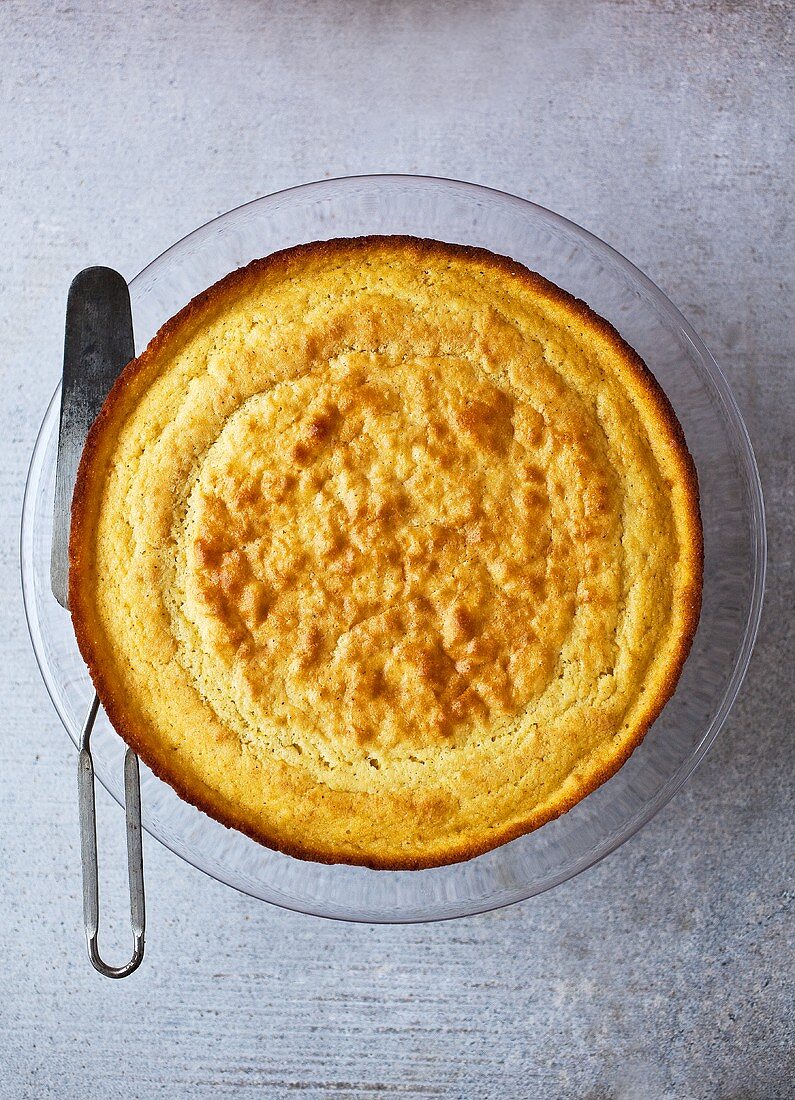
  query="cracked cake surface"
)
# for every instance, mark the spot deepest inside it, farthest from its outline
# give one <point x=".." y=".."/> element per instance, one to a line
<point x="385" y="551"/>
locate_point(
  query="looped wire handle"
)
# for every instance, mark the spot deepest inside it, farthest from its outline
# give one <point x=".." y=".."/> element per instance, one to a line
<point x="88" y="845"/>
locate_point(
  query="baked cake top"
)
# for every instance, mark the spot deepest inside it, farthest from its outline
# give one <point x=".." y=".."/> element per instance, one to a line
<point x="385" y="551"/>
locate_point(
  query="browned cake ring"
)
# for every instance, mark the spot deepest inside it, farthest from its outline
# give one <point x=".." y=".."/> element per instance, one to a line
<point x="385" y="552"/>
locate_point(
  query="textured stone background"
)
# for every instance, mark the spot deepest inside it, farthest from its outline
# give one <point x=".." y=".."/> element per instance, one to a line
<point x="664" y="128"/>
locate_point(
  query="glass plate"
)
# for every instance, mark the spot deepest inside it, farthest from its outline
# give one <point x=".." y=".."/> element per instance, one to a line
<point x="732" y="511"/>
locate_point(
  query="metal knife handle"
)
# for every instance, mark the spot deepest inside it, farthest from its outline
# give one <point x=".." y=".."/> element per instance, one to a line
<point x="88" y="847"/>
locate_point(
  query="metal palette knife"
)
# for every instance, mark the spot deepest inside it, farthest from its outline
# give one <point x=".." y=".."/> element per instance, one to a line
<point x="98" y="344"/>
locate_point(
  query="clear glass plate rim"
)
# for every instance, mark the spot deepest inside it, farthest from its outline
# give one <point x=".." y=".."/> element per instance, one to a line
<point x="757" y="532"/>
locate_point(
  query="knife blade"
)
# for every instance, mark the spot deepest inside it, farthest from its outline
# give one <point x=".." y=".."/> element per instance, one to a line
<point x="98" y="344"/>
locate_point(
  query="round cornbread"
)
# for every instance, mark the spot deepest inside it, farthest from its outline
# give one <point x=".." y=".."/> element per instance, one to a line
<point x="385" y="551"/>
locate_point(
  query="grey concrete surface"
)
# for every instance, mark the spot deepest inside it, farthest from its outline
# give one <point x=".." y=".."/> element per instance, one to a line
<point x="665" y="127"/>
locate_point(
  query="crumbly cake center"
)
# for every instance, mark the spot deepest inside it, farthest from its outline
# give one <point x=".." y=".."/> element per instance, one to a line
<point x="394" y="550"/>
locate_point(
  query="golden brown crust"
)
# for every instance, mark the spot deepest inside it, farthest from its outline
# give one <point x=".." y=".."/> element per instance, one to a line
<point x="140" y="374"/>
